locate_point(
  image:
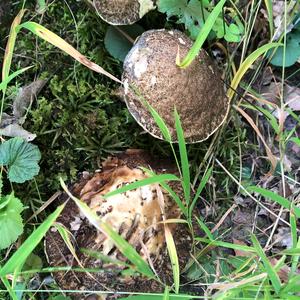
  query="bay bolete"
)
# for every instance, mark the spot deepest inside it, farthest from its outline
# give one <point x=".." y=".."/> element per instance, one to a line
<point x="136" y="215"/>
<point x="123" y="12"/>
<point x="197" y="92"/>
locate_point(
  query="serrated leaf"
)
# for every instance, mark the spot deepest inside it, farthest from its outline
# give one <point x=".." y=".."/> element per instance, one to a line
<point x="119" y="40"/>
<point x="21" y="158"/>
<point x="194" y="13"/>
<point x="11" y="222"/>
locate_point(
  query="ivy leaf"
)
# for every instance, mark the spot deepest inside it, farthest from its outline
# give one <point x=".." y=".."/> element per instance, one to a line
<point x="21" y="158"/>
<point x="11" y="222"/>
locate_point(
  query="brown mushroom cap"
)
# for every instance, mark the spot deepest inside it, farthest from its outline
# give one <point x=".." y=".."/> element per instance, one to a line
<point x="196" y="91"/>
<point x="135" y="215"/>
<point x="123" y="12"/>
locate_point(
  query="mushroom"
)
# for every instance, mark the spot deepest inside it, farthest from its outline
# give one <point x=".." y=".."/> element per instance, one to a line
<point x="136" y="215"/>
<point x="123" y="12"/>
<point x="197" y="92"/>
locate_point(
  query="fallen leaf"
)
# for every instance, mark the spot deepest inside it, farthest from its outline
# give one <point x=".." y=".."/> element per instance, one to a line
<point x="11" y="125"/>
<point x="25" y="97"/>
<point x="16" y="130"/>
<point x="241" y="252"/>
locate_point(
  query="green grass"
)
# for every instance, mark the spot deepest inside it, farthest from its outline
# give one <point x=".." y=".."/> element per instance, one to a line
<point x="79" y="123"/>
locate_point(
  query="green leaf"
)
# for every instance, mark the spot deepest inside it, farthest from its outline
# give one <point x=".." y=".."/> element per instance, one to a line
<point x="232" y="33"/>
<point x="11" y="222"/>
<point x="119" y="40"/>
<point x="20" y="256"/>
<point x="292" y="51"/>
<point x="21" y="158"/>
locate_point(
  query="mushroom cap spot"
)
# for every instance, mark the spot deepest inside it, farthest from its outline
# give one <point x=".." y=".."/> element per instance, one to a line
<point x="122" y="12"/>
<point x="197" y="91"/>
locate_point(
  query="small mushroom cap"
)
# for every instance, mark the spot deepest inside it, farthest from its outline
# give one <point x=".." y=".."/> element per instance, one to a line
<point x="197" y="92"/>
<point x="123" y="12"/>
<point x="136" y="215"/>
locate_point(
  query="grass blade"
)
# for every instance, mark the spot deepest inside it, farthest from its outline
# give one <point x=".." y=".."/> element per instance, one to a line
<point x="185" y="168"/>
<point x="269" y="7"/>
<point x="296" y="244"/>
<point x="273" y="276"/>
<point x="166" y="293"/>
<point x="160" y="123"/>
<point x="226" y="245"/>
<point x="11" y="292"/>
<point x="275" y="197"/>
<point x="247" y="63"/>
<point x="175" y="197"/>
<point x="173" y="257"/>
<point x="57" y="41"/>
<point x="205" y="229"/>
<point x="125" y="248"/>
<point x="9" y="50"/>
<point x="201" y="186"/>
<point x="104" y="258"/>
<point x="142" y="182"/>
<point x="19" y="257"/>
<point x="5" y="82"/>
<point x="167" y="188"/>
<point x="42" y="6"/>
<point x="202" y="36"/>
<point x="66" y="236"/>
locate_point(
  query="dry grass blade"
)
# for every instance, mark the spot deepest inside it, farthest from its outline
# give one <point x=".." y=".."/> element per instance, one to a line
<point x="66" y="235"/>
<point x="11" y="44"/>
<point x="270" y="155"/>
<point x="170" y="242"/>
<point x="57" y="41"/>
<point x="247" y="63"/>
<point x="222" y="287"/>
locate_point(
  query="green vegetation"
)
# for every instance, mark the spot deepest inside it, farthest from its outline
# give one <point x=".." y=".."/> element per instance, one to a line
<point x="245" y="174"/>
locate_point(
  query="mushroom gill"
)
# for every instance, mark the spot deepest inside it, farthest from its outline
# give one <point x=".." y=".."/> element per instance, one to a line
<point x="136" y="215"/>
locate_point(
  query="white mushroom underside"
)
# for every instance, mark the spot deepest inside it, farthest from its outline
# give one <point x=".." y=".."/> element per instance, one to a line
<point x="145" y="6"/>
<point x="134" y="213"/>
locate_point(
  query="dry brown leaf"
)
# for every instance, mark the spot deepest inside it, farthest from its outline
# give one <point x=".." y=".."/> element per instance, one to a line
<point x="240" y="252"/>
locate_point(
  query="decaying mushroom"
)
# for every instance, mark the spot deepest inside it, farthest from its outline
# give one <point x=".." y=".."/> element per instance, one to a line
<point x="197" y="92"/>
<point x="135" y="215"/>
<point x="123" y="12"/>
